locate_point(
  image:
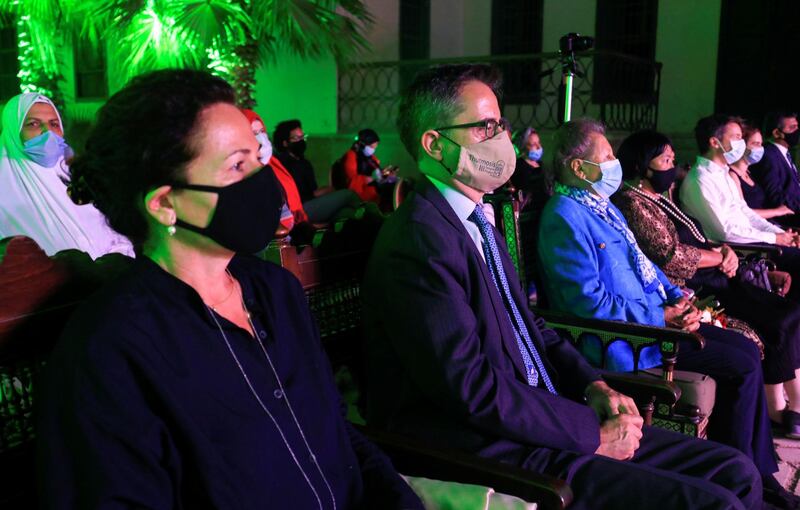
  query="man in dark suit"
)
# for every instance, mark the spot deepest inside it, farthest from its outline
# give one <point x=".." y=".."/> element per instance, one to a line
<point x="776" y="173"/>
<point x="455" y="357"/>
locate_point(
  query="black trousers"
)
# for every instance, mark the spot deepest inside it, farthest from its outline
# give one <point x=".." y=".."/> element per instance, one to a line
<point x="739" y="418"/>
<point x="669" y="471"/>
<point x="776" y="319"/>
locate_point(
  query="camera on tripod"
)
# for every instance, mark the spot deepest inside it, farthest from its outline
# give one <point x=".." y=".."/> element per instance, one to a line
<point x="568" y="46"/>
<point x="573" y="42"/>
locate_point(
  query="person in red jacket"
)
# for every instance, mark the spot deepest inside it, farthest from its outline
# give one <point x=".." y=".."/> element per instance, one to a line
<point x="293" y="212"/>
<point x="361" y="171"/>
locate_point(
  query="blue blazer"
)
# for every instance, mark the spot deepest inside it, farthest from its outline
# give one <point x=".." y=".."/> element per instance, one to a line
<point x="778" y="178"/>
<point x="442" y="359"/>
<point x="587" y="268"/>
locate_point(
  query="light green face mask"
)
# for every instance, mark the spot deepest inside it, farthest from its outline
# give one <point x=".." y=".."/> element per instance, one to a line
<point x="486" y="165"/>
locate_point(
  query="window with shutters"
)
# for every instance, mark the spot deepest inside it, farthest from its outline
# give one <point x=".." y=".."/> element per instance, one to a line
<point x="629" y="27"/>
<point x="517" y="30"/>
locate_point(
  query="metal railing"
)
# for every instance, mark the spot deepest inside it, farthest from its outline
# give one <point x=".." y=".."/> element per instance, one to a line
<point x="618" y="89"/>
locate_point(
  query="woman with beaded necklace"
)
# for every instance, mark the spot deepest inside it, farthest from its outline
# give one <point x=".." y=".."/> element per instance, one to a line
<point x="676" y="243"/>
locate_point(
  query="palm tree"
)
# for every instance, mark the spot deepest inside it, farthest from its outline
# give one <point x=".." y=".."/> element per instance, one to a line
<point x="229" y="37"/>
<point x="38" y="25"/>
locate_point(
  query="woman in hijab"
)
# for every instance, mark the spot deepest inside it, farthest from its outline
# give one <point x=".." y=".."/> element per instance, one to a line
<point x="32" y="172"/>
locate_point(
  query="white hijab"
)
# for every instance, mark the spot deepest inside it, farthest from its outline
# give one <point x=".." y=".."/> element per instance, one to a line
<point x="34" y="201"/>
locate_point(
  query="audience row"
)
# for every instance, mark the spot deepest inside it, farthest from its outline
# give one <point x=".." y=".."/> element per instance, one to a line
<point x="197" y="380"/>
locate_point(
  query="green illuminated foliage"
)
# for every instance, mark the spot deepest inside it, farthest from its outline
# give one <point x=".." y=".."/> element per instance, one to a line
<point x="36" y="23"/>
<point x="229" y="37"/>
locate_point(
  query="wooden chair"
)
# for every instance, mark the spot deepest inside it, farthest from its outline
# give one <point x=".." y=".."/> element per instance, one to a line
<point x="331" y="275"/>
<point x="39" y="294"/>
<point x="658" y="400"/>
<point x="402" y="188"/>
<point x="336" y="176"/>
<point x="330" y="272"/>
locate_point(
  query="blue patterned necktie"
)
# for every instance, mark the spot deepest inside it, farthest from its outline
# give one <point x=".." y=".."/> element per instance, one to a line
<point x="530" y="356"/>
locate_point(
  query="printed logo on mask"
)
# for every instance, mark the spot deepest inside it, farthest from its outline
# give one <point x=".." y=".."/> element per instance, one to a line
<point x="493" y="168"/>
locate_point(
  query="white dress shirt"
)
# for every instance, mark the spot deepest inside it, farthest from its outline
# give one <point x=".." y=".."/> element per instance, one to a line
<point x="710" y="195"/>
<point x="463" y="207"/>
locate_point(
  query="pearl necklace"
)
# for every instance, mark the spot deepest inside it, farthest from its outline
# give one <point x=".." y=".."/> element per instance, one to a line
<point x="285" y="397"/>
<point x="672" y="210"/>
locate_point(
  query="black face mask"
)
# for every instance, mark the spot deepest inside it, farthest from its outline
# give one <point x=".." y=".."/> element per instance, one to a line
<point x="297" y="148"/>
<point x="661" y="180"/>
<point x="247" y="212"/>
<point x="791" y="138"/>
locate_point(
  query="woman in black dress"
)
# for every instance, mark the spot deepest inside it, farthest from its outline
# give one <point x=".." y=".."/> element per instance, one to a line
<point x="751" y="191"/>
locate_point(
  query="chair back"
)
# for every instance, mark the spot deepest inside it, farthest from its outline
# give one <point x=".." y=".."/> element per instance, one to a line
<point x="336" y="176"/>
<point x="330" y="273"/>
<point x="401" y="190"/>
<point x="39" y="294"/>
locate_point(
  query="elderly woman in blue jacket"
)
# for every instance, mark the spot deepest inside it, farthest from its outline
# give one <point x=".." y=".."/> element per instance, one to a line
<point x="593" y="267"/>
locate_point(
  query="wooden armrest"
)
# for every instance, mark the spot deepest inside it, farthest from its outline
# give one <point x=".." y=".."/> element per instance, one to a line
<point x="641" y="389"/>
<point x="620" y="327"/>
<point x="413" y="458"/>
<point x="18" y="472"/>
<point x="766" y="249"/>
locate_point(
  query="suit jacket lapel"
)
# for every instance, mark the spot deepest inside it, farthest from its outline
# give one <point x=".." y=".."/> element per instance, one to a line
<point x="429" y="192"/>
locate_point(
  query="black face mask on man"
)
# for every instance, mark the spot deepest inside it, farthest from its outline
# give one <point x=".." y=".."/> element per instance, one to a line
<point x="791" y="138"/>
<point x="247" y="212"/>
<point x="297" y="148"/>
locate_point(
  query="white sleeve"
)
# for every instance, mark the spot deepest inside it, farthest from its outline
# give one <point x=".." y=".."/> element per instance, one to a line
<point x="735" y="225"/>
<point x="758" y="222"/>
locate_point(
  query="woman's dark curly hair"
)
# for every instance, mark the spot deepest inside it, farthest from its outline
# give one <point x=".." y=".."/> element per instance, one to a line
<point x="143" y="139"/>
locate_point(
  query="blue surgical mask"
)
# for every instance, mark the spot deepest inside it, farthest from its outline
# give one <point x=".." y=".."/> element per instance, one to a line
<point x="45" y="149"/>
<point x="368" y="151"/>
<point x="535" y="154"/>
<point x="737" y="151"/>
<point x="610" y="177"/>
<point x="755" y="155"/>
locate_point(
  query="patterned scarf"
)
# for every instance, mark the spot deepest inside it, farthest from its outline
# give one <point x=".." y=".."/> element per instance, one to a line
<point x="599" y="206"/>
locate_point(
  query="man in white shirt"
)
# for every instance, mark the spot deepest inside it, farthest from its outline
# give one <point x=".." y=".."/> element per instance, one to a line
<point x="709" y="194"/>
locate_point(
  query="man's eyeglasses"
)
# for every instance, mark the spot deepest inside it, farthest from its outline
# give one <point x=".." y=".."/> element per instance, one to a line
<point x="491" y="127"/>
<point x="293" y="139"/>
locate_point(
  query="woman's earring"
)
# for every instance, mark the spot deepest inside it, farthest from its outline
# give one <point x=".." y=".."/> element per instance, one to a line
<point x="171" y="230"/>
